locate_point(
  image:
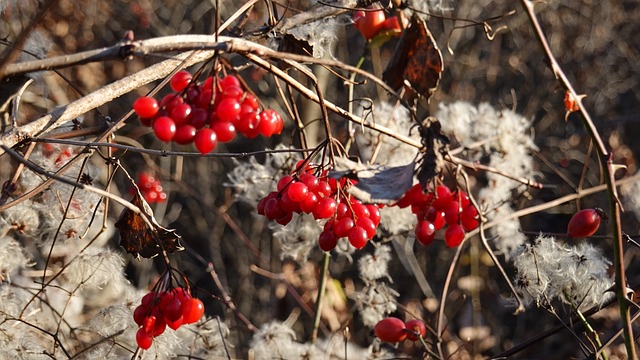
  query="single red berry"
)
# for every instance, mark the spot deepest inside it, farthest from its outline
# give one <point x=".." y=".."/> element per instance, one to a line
<point x="284" y="182"/>
<point x="284" y="220"/>
<point x="325" y="209"/>
<point x="343" y="210"/>
<point x="327" y="240"/>
<point x="368" y="225"/>
<point x="199" y="118"/>
<point x="232" y="92"/>
<point x="374" y="213"/>
<point x="175" y="324"/>
<point x="358" y="237"/>
<point x="443" y="197"/>
<point x="165" y="128"/>
<point x="390" y="329"/>
<point x="309" y="203"/>
<point x="225" y="131"/>
<point x="298" y="191"/>
<point x="324" y="188"/>
<point x="149" y="324"/>
<point x="203" y="100"/>
<point x="146" y="107"/>
<point x="342" y="227"/>
<point x="248" y="125"/>
<point x="469" y="218"/>
<point x="205" y="140"/>
<point x="270" y="123"/>
<point x="172" y="310"/>
<point x="425" y="232"/>
<point x="416" y="329"/>
<point x="192" y="311"/>
<point x="170" y="101"/>
<point x="140" y="313"/>
<point x="454" y="235"/>
<point x="272" y="209"/>
<point x="184" y="134"/>
<point x="181" y="114"/>
<point x="228" y="109"/>
<point x="359" y="210"/>
<point x="229" y="80"/>
<point x="143" y="339"/>
<point x="409" y="196"/>
<point x="584" y="223"/>
<point x="251" y="101"/>
<point x="287" y="204"/>
<point x="310" y="180"/>
<point x="369" y="23"/>
<point x="452" y="212"/>
<point x="436" y="217"/>
<point x="180" y="80"/>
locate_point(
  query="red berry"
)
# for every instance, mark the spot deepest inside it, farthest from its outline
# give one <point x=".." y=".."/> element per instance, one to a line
<point x="443" y="197"/>
<point x="298" y="191"/>
<point x="324" y="188"/>
<point x="199" y="118"/>
<point x="287" y="204"/>
<point x="143" y="339"/>
<point x="358" y="237"/>
<point x="452" y="212"/>
<point x="172" y="309"/>
<point x="225" y="131"/>
<point x="342" y="227"/>
<point x="229" y="80"/>
<point x="369" y="23"/>
<point x="270" y="123"/>
<point x="368" y="225"/>
<point x="390" y="329"/>
<point x="175" y="324"/>
<point x="192" y="311"/>
<point x="232" y="92"/>
<point x="146" y="107"/>
<point x="251" y="101"/>
<point x="284" y="220"/>
<point x="149" y="324"/>
<point x="248" y="125"/>
<point x="164" y="128"/>
<point x="454" y="235"/>
<point x="436" y="217"/>
<point x="184" y="134"/>
<point x="359" y="210"/>
<point x="410" y="196"/>
<point x="205" y="140"/>
<point x="415" y="329"/>
<point x="327" y="240"/>
<point x="170" y="101"/>
<point x="374" y="214"/>
<point x="181" y="114"/>
<point x="140" y="313"/>
<point x="468" y="218"/>
<point x="425" y="232"/>
<point x="180" y="80"/>
<point x="228" y="109"/>
<point x="309" y="203"/>
<point x="325" y="209"/>
<point x="272" y="209"/>
<point x="584" y="223"/>
<point x="284" y="182"/>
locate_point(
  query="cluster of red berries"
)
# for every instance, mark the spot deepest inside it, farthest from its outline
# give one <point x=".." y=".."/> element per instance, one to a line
<point x="206" y="113"/>
<point x="172" y="308"/>
<point x="309" y="194"/>
<point x="393" y="330"/>
<point x="438" y="208"/>
<point x="151" y="188"/>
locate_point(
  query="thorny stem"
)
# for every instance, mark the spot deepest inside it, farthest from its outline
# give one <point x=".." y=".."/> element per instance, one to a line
<point x="320" y="299"/>
<point x="605" y="157"/>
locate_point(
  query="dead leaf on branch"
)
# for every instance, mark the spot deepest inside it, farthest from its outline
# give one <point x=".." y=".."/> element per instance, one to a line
<point x="416" y="63"/>
<point x="139" y="238"/>
<point x="378" y="184"/>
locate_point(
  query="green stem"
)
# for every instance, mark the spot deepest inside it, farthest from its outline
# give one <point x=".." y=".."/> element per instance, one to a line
<point x="320" y="298"/>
